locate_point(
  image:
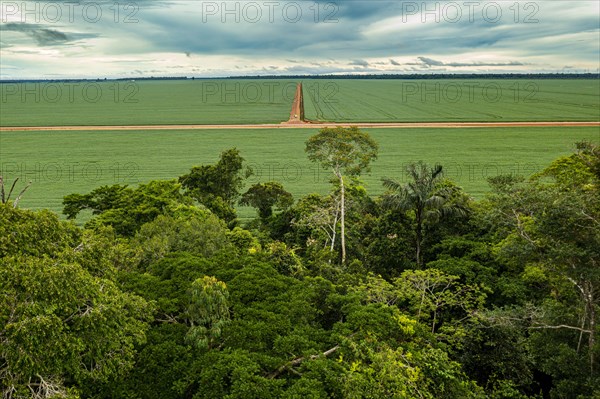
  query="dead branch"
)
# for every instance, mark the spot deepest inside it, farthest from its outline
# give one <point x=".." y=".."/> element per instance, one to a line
<point x="16" y="203"/>
<point x="561" y="326"/>
<point x="12" y="187"/>
<point x="299" y="360"/>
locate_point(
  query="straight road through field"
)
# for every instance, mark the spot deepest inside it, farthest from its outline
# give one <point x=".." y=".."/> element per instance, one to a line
<point x="307" y="125"/>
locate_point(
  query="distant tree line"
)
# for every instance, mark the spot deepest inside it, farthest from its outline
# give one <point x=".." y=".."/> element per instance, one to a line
<point x="434" y="76"/>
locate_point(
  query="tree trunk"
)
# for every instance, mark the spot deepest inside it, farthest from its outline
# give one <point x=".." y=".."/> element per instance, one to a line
<point x="592" y="313"/>
<point x="334" y="227"/>
<point x="334" y="231"/>
<point x="419" y="233"/>
<point x="343" y="218"/>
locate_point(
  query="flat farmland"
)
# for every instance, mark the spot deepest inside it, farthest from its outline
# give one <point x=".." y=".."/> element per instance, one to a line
<point x="145" y="102"/>
<point x="263" y="101"/>
<point x="63" y="162"/>
<point x="442" y="100"/>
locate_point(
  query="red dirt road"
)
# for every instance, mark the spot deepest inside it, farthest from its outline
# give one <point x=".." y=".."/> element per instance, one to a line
<point x="305" y="125"/>
<point x="297" y="112"/>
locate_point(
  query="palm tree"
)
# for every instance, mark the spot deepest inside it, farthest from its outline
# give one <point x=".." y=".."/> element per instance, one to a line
<point x="426" y="196"/>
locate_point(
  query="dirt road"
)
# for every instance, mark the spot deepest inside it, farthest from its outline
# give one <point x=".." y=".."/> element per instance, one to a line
<point x="300" y="125"/>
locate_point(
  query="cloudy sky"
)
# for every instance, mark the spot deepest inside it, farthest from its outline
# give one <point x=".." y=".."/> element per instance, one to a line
<point x="118" y="38"/>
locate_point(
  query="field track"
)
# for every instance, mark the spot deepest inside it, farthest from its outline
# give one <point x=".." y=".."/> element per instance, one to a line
<point x="306" y="125"/>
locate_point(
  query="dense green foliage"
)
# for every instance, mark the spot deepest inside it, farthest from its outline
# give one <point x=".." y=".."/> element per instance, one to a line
<point x="218" y="186"/>
<point x="159" y="297"/>
<point x="427" y="196"/>
<point x="64" y="322"/>
<point x="265" y="196"/>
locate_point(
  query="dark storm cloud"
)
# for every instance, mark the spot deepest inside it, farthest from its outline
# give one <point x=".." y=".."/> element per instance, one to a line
<point x="206" y="27"/>
<point x="430" y="62"/>
<point x="193" y="31"/>
<point x="42" y="36"/>
<point x="353" y="10"/>
<point x="361" y="63"/>
<point x="243" y="38"/>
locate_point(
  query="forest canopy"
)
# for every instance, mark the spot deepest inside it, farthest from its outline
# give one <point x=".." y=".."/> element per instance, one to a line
<point x="421" y="292"/>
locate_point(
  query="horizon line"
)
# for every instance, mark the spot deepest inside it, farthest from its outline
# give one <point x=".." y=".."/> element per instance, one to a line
<point x="433" y="75"/>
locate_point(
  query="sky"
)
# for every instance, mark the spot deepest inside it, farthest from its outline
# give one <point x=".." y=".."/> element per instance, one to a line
<point x="143" y="38"/>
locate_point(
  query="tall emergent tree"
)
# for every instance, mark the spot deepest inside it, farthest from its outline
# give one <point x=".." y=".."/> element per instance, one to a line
<point x="426" y="195"/>
<point x="264" y="196"/>
<point x="218" y="186"/>
<point x="347" y="152"/>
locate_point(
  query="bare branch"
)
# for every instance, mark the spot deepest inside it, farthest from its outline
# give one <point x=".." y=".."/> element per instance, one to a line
<point x="577" y="285"/>
<point x="561" y="326"/>
<point x="11" y="189"/>
<point x="168" y="319"/>
<point x="593" y="219"/>
<point x="16" y="203"/>
<point x="299" y="360"/>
